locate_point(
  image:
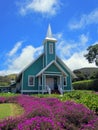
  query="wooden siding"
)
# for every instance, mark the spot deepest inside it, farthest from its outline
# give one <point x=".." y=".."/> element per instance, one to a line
<point x="49" y="57"/>
<point x="69" y="82"/>
<point x="33" y="69"/>
<point x="53" y="68"/>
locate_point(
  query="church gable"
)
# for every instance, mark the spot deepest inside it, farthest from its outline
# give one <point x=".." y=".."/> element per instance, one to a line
<point x="52" y="68"/>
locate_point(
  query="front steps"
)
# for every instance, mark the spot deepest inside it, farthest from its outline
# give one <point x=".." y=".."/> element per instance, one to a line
<point x="55" y="92"/>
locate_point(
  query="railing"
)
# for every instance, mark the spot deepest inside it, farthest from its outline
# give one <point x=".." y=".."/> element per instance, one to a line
<point x="48" y="89"/>
<point x="60" y="89"/>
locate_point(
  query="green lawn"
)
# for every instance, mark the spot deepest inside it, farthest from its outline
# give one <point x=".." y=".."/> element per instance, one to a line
<point x="10" y="109"/>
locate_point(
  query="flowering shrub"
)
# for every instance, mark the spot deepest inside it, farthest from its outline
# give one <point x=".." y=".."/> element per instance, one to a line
<point x="2" y="99"/>
<point x="39" y="123"/>
<point x="49" y="114"/>
<point x="92" y="125"/>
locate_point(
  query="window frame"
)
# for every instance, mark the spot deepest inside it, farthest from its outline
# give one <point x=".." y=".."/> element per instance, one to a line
<point x="31" y="76"/>
<point x="51" y="48"/>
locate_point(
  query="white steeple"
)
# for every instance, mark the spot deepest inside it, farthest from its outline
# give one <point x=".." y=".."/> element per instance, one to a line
<point x="49" y="35"/>
<point x="49" y="32"/>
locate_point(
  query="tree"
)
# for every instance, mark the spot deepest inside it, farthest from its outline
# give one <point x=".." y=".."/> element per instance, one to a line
<point x="92" y="55"/>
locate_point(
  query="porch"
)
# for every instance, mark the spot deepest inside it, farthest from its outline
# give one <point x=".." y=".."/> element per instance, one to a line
<point x="51" y="83"/>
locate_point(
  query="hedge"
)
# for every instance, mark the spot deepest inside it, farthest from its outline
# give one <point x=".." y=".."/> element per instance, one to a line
<point x="86" y="85"/>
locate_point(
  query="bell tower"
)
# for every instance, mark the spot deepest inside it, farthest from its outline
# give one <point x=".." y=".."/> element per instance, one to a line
<point x="49" y="47"/>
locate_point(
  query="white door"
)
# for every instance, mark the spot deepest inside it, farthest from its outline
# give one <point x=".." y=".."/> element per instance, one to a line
<point x="50" y="82"/>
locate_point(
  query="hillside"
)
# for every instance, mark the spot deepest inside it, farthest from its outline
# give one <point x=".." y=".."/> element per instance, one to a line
<point x="6" y="80"/>
<point x="86" y="73"/>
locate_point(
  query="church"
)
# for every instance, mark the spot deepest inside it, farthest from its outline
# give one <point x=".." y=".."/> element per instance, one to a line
<point x="46" y="74"/>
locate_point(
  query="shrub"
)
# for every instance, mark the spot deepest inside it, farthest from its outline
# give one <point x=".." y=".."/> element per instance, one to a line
<point x="86" y="85"/>
<point x="92" y="125"/>
<point x="49" y="114"/>
<point x="39" y="123"/>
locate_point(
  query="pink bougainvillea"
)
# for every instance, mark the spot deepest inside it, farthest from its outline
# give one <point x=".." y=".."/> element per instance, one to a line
<point x="49" y="114"/>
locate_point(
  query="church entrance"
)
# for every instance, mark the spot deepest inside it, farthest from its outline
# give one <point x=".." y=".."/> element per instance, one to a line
<point x="55" y="83"/>
<point x="52" y="82"/>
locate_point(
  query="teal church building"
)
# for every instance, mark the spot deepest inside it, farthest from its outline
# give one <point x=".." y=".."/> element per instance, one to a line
<point x="48" y="73"/>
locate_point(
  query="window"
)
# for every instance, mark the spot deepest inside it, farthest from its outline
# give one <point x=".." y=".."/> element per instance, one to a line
<point x="31" y="81"/>
<point x="51" y="48"/>
<point x="65" y="81"/>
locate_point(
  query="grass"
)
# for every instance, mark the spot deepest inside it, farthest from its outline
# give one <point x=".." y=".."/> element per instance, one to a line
<point x="10" y="109"/>
<point x="8" y="94"/>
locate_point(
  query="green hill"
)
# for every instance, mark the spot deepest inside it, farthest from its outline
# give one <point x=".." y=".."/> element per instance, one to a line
<point x="6" y="80"/>
<point x="86" y="73"/>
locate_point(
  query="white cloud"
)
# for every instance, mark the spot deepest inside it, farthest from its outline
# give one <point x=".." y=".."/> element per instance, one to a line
<point x="77" y="61"/>
<point x="44" y="7"/>
<point x="70" y="51"/>
<point x="15" y="49"/>
<point x="86" y="19"/>
<point x="17" y="63"/>
<point x="66" y="48"/>
<point x="83" y="39"/>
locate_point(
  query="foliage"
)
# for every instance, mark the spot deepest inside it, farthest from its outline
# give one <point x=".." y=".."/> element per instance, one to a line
<point x="88" y="98"/>
<point x="7" y="94"/>
<point x="86" y="85"/>
<point x="4" y="83"/>
<point x="86" y="73"/>
<point x="5" y="80"/>
<point x="92" y="52"/>
<point x="51" y="113"/>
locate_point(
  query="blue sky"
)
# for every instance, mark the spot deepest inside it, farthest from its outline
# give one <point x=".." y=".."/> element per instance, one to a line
<point x="23" y="27"/>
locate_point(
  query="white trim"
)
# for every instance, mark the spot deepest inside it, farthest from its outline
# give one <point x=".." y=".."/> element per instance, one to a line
<point x="30" y="64"/>
<point x="40" y="80"/>
<point x="34" y="91"/>
<point x="22" y="81"/>
<point x="42" y="83"/>
<point x="33" y="80"/>
<point x="52" y="72"/>
<point x="55" y="52"/>
<point x="65" y="66"/>
<point x="50" y="65"/>
<point x="49" y="39"/>
<point x="43" y="60"/>
<point x="46" y="54"/>
<point x="61" y="69"/>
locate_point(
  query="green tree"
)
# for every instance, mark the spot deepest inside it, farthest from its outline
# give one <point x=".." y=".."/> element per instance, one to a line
<point x="92" y="54"/>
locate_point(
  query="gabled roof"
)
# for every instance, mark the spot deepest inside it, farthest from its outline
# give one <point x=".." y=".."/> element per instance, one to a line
<point x="65" y="66"/>
<point x="52" y="62"/>
<point x="29" y="65"/>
